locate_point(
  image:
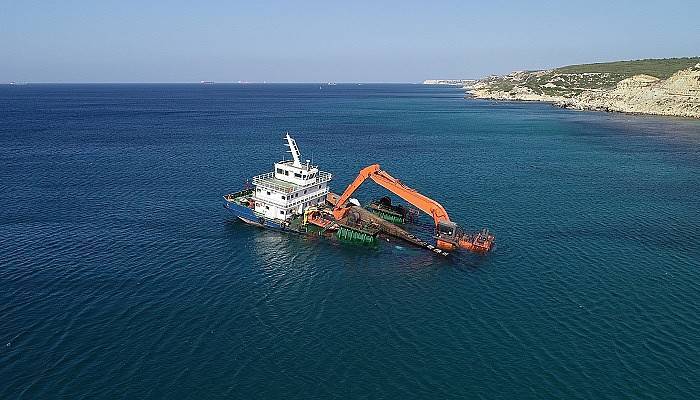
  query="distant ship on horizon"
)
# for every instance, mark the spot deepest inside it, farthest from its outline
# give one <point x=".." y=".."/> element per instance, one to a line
<point x="206" y="82"/>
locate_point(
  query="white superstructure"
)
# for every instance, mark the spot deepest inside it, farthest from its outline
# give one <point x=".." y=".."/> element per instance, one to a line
<point x="290" y="187"/>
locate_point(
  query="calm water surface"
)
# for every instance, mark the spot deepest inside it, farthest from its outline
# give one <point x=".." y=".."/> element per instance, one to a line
<point x="121" y="276"/>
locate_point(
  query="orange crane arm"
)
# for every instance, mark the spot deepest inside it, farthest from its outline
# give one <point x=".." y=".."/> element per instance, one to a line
<point x="382" y="178"/>
<point x="339" y="209"/>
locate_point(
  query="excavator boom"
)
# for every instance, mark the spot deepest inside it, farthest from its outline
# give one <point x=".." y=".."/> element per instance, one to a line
<point x="448" y="234"/>
<point x="382" y="178"/>
<point x="339" y="209"/>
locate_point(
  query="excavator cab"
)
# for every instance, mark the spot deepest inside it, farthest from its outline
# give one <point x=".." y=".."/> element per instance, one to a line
<point x="447" y="235"/>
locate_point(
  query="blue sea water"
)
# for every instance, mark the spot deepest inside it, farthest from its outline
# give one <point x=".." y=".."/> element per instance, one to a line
<point x="122" y="276"/>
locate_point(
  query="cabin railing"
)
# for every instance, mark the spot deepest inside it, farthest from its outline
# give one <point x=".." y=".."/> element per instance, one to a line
<point x="240" y="193"/>
<point x="266" y="181"/>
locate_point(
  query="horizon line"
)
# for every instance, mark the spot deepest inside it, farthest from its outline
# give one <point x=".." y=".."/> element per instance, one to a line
<point x="326" y="83"/>
<point x="19" y="83"/>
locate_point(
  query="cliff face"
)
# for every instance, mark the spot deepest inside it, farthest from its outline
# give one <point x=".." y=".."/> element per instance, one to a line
<point x="678" y="95"/>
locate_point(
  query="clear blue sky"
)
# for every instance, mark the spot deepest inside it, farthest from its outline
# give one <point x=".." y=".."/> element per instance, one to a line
<point x="313" y="41"/>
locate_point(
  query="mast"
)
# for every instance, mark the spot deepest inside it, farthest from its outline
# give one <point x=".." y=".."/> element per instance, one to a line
<point x="294" y="149"/>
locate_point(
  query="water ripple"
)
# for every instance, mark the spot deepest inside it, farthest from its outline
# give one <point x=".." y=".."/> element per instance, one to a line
<point x="122" y="277"/>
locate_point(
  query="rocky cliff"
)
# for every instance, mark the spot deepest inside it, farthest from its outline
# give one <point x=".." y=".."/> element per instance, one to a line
<point x="616" y="90"/>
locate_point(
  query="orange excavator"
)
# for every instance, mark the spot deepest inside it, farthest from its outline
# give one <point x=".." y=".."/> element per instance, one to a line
<point x="447" y="234"/>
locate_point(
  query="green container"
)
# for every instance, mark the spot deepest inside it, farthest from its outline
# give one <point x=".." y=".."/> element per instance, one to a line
<point x="350" y="235"/>
<point x="393" y="218"/>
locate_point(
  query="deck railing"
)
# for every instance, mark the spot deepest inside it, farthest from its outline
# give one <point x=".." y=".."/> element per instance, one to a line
<point x="240" y="193"/>
<point x="265" y="180"/>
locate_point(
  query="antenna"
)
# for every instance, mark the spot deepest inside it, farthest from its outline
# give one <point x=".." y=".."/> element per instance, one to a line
<point x="294" y="149"/>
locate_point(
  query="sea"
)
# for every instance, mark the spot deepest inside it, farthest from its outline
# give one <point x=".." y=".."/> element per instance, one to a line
<point x="123" y="277"/>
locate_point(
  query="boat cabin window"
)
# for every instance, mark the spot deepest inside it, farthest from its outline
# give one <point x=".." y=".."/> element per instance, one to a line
<point x="297" y="175"/>
<point x="267" y="207"/>
<point x="280" y="171"/>
<point x="286" y="173"/>
<point x="283" y="197"/>
<point x="282" y="212"/>
<point x="268" y="192"/>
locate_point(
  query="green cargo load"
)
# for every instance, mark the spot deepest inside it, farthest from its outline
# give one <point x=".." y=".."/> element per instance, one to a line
<point x="348" y="234"/>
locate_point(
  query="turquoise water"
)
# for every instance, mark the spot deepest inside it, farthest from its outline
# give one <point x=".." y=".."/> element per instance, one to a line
<point x="121" y="275"/>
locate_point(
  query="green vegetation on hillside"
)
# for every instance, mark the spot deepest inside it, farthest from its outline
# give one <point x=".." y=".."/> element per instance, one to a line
<point x="572" y="80"/>
<point x="660" y="68"/>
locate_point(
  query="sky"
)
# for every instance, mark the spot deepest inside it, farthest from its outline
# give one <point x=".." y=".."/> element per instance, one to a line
<point x="324" y="41"/>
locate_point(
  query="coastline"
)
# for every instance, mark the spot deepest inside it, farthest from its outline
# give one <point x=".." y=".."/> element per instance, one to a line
<point x="678" y="95"/>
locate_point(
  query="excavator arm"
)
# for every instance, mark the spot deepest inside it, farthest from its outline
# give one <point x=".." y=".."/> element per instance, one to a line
<point x="340" y="208"/>
<point x="383" y="179"/>
<point x="448" y="234"/>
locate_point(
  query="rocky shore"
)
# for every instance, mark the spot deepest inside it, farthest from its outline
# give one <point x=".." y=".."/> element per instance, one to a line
<point x="676" y="95"/>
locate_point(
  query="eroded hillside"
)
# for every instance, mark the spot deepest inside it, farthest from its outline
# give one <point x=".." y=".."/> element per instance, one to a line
<point x="645" y="86"/>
